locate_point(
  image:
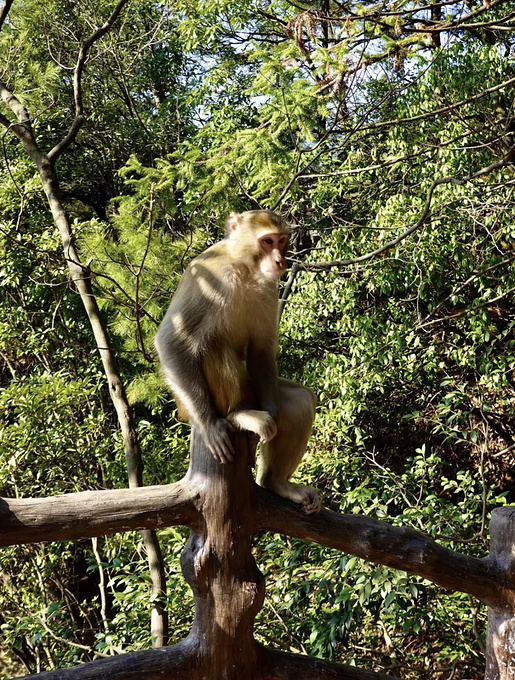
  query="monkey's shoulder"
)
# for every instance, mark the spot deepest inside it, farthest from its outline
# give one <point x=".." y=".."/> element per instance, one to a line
<point x="210" y="263"/>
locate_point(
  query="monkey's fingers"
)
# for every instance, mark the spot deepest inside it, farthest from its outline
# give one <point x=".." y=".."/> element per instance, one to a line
<point x="222" y="453"/>
<point x="222" y="456"/>
<point x="219" y="441"/>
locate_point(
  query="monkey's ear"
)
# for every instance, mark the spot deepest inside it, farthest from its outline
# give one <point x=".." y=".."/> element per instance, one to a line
<point x="232" y="223"/>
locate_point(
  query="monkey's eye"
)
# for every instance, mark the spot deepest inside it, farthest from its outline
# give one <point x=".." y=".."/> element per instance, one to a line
<point x="269" y="241"/>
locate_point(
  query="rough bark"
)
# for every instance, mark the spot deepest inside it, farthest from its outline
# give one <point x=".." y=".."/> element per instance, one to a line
<point x="278" y="665"/>
<point x="96" y="513"/>
<point x="500" y="636"/>
<point x="397" y="547"/>
<point x="179" y="663"/>
<point x="165" y="663"/>
<point x="218" y="564"/>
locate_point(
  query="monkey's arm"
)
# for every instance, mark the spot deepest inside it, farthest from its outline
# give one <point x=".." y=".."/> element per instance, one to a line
<point x="183" y="373"/>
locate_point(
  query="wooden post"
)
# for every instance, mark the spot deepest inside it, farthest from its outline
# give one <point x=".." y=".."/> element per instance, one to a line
<point x="500" y="637"/>
<point x="218" y="564"/>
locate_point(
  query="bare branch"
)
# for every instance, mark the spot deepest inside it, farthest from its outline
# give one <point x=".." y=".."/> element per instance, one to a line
<point x="61" y="147"/>
<point x="94" y="513"/>
<point x="441" y="110"/>
<point x="5" y="11"/>
<point x="169" y="663"/>
<point x="285" y="293"/>
<point x="279" y="665"/>
<point x="15" y="105"/>
<point x="397" y="547"/>
<point x="181" y="662"/>
<point x="70" y="643"/>
<point x="83" y="53"/>
<point x="23" y="128"/>
<point x="468" y="310"/>
<point x="77" y="82"/>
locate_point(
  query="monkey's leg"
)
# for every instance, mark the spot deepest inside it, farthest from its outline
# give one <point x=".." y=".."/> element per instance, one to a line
<point x="280" y="457"/>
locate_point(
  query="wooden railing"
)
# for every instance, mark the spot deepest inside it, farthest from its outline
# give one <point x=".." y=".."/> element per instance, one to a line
<point x="224" y="507"/>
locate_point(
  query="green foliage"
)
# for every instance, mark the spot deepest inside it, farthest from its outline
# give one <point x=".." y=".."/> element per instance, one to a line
<point x="56" y="589"/>
<point x="344" y="123"/>
<point x="51" y="439"/>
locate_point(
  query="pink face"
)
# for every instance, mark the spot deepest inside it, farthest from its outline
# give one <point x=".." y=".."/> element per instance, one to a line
<point x="273" y="261"/>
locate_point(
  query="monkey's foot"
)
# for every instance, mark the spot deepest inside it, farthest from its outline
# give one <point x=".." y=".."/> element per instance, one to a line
<point x="298" y="493"/>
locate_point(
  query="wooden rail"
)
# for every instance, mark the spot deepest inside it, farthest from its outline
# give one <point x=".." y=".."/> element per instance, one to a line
<point x="224" y="507"/>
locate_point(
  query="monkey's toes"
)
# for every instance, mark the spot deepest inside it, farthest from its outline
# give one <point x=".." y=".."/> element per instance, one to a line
<point x="311" y="502"/>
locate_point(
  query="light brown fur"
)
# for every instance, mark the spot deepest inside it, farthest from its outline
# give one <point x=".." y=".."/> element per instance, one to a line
<point x="217" y="346"/>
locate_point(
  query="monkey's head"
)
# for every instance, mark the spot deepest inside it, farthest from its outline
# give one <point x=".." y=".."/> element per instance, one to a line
<point x="261" y="236"/>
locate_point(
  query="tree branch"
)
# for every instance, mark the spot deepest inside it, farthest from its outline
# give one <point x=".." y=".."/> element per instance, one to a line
<point x="301" y="174"/>
<point x="469" y="310"/>
<point x="318" y="266"/>
<point x="285" y="292"/>
<point x="61" y="147"/>
<point x="279" y="665"/>
<point x="168" y="663"/>
<point x="95" y="513"/>
<point x="5" y="11"/>
<point x="23" y="128"/>
<point x="441" y="110"/>
<point x="77" y="82"/>
<point x="179" y="663"/>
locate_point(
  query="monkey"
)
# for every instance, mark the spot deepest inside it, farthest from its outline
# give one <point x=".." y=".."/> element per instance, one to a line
<point x="217" y="347"/>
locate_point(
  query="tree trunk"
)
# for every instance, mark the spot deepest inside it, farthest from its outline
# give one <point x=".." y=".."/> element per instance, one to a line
<point x="81" y="277"/>
<point x="500" y="635"/>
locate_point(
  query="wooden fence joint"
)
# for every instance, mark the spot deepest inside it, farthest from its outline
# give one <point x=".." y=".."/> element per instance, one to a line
<point x="500" y="636"/>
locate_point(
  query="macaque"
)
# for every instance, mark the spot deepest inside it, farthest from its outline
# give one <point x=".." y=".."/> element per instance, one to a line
<point x="217" y="347"/>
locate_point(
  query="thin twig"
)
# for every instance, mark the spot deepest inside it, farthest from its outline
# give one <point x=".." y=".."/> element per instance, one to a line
<point x="59" y="148"/>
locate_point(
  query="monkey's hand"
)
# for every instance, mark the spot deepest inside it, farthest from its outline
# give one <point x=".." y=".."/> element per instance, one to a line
<point x="216" y="437"/>
<point x="258" y="422"/>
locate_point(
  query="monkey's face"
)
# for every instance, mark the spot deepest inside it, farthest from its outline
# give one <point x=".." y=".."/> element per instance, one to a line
<point x="272" y="262"/>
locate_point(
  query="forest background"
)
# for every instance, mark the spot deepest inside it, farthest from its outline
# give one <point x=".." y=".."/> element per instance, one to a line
<point x="384" y="133"/>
